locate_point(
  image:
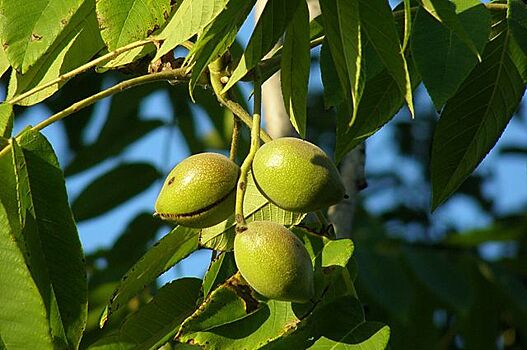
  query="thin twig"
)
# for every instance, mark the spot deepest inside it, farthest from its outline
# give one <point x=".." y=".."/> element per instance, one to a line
<point x="80" y="70"/>
<point x="174" y="75"/>
<point x="246" y="165"/>
<point x="216" y="74"/>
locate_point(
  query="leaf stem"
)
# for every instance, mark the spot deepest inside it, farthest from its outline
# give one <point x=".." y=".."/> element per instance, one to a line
<point x="80" y="69"/>
<point x="216" y="74"/>
<point x="246" y="165"/>
<point x="235" y="136"/>
<point x="175" y="75"/>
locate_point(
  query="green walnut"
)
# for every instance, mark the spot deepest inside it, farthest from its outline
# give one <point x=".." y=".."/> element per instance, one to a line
<point x="274" y="262"/>
<point x="200" y="191"/>
<point x="296" y="175"/>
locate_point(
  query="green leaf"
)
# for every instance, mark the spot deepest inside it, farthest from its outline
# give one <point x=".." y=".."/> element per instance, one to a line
<point x="191" y="17"/>
<point x="22" y="325"/>
<point x="384" y="280"/>
<point x="4" y="62"/>
<point x="337" y="252"/>
<point x="380" y="101"/>
<point x="377" y="20"/>
<point x="407" y="23"/>
<point x="6" y="119"/>
<point x="219" y="270"/>
<point x="113" y="188"/>
<point x="517" y="21"/>
<point x="78" y="43"/>
<point x="474" y="118"/>
<point x="271" y="25"/>
<point x="445" y="12"/>
<point x="295" y="66"/>
<point x="519" y="58"/>
<point x="217" y="37"/>
<point x="28" y="29"/>
<point x="443" y="59"/>
<point x="171" y="249"/>
<point x="158" y="321"/>
<point x="343" y="34"/>
<point x="229" y="302"/>
<point x="256" y="207"/>
<point x="47" y="235"/>
<point x="333" y="94"/>
<point x="441" y="276"/>
<point x="123" y="22"/>
<point x="270" y="322"/>
<point x="366" y="336"/>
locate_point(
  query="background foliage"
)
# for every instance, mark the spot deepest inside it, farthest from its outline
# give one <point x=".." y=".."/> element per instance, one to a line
<point x="430" y="282"/>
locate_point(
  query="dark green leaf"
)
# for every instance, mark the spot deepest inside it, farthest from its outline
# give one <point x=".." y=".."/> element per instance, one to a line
<point x="379" y="103"/>
<point x="517" y="21"/>
<point x="28" y="29"/>
<point x="443" y="59"/>
<point x="442" y="277"/>
<point x="376" y="19"/>
<point x="333" y="94"/>
<point x="445" y="12"/>
<point x="343" y="34"/>
<point x="218" y="36"/>
<point x="79" y="41"/>
<point x="519" y="58"/>
<point x="474" y="118"/>
<point x="171" y="249"/>
<point x="271" y="25"/>
<point x="113" y="188"/>
<point x="191" y="17"/>
<point x="159" y="320"/>
<point x="123" y="22"/>
<point x="6" y="119"/>
<point x="383" y="278"/>
<point x="295" y="65"/>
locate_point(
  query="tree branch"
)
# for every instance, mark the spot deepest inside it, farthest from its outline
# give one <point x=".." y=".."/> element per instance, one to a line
<point x="175" y="75"/>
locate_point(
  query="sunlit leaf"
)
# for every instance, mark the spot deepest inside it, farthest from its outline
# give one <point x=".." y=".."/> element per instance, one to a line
<point x="123" y="22"/>
<point x="256" y="207"/>
<point x="218" y="36"/>
<point x="271" y="25"/>
<point x="79" y="41"/>
<point x="158" y="321"/>
<point x="191" y="17"/>
<point x="6" y="119"/>
<point x="28" y="29"/>
<point x="171" y="249"/>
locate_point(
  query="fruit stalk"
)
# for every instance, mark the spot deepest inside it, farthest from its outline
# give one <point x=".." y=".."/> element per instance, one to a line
<point x="246" y="165"/>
